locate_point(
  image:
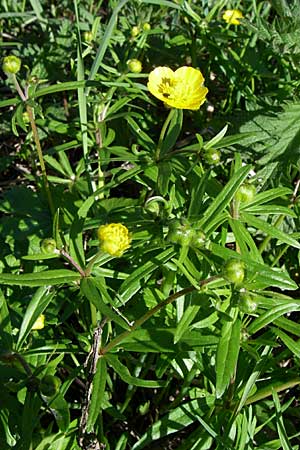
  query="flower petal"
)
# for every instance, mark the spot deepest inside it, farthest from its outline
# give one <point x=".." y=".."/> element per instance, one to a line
<point x="158" y="80"/>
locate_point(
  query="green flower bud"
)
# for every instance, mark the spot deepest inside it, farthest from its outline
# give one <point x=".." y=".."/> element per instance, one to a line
<point x="212" y="156"/>
<point x="234" y="271"/>
<point x="180" y="232"/>
<point x="48" y="246"/>
<point x="246" y="303"/>
<point x="88" y="37"/>
<point x="146" y="26"/>
<point x="198" y="239"/>
<point x="25" y="117"/>
<point x="134" y="65"/>
<point x="50" y="385"/>
<point x="11" y="64"/>
<point x="135" y="31"/>
<point x="245" y="193"/>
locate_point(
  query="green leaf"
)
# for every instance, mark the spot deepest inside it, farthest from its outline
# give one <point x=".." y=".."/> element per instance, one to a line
<point x="175" y="420"/>
<point x="90" y="291"/>
<point x="97" y="395"/>
<point x="263" y="276"/>
<point x="271" y="315"/>
<point x="224" y="197"/>
<point x="173" y="131"/>
<point x="5" y="325"/>
<point x="125" y="375"/>
<point x="244" y="239"/>
<point x="282" y="433"/>
<point x="163" y="177"/>
<point x="267" y="196"/>
<point x="186" y="319"/>
<point x="269" y="229"/>
<point x="136" y="279"/>
<point x="36" y="307"/>
<point x="292" y="345"/>
<point x="227" y="352"/>
<point x="103" y="45"/>
<point x="60" y="410"/>
<point x="214" y="141"/>
<point x="46" y="278"/>
<point x="162" y="340"/>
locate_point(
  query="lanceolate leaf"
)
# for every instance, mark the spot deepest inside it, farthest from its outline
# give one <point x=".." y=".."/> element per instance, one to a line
<point x="174" y="421"/>
<point x="269" y="229"/>
<point x="271" y="315"/>
<point x="97" y="395"/>
<point x="46" y="278"/>
<point x="224" y="197"/>
<point x="37" y="305"/>
<point x="124" y="373"/>
<point x="227" y="353"/>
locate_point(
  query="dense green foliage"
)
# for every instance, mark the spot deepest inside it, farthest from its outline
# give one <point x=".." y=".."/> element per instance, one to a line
<point x="189" y="338"/>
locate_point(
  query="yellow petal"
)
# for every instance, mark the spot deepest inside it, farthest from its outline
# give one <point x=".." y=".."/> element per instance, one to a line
<point x="161" y="82"/>
<point x="232" y="16"/>
<point x="39" y="323"/>
<point x="182" y="89"/>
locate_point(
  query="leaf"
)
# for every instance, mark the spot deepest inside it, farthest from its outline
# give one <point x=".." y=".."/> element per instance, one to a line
<point x="60" y="410"/>
<point x="282" y="433"/>
<point x="36" y="307"/>
<point x="227" y="353"/>
<point x="269" y="229"/>
<point x="125" y="375"/>
<point x="163" y="177"/>
<point x="5" y="325"/>
<point x="271" y="315"/>
<point x="275" y="137"/>
<point x="175" y="420"/>
<point x="224" y="197"/>
<point x="162" y="340"/>
<point x="263" y="275"/>
<point x="46" y="278"/>
<point x="188" y="316"/>
<point x="173" y="131"/>
<point x="97" y="395"/>
<point x="216" y="139"/>
<point x="135" y="280"/>
<point x="292" y="345"/>
<point x="90" y="291"/>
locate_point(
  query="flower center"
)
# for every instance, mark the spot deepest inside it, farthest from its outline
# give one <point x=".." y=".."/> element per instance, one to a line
<point x="166" y="87"/>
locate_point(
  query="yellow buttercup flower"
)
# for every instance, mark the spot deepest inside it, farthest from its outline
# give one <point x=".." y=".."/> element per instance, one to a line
<point x="114" y="238"/>
<point x="39" y="323"/>
<point x="182" y="89"/>
<point x="232" y="16"/>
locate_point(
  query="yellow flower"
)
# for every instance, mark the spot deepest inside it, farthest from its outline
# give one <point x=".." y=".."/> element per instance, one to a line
<point x="114" y="238"/>
<point x="232" y="16"/>
<point x="182" y="89"/>
<point x="39" y="323"/>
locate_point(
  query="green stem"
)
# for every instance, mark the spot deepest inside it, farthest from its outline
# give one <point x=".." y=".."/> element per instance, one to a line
<point x="29" y="110"/>
<point x="41" y="158"/>
<point x="73" y="262"/>
<point x="162" y="133"/>
<point x="90" y="265"/>
<point x="151" y="312"/>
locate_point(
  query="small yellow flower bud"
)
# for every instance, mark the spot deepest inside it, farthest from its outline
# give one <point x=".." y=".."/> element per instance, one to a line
<point x="146" y="26"/>
<point x="88" y="37"/>
<point x="114" y="238"/>
<point x="134" y="65"/>
<point x="135" y="31"/>
<point x="48" y="246"/>
<point x="11" y="64"/>
<point x="39" y="323"/>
